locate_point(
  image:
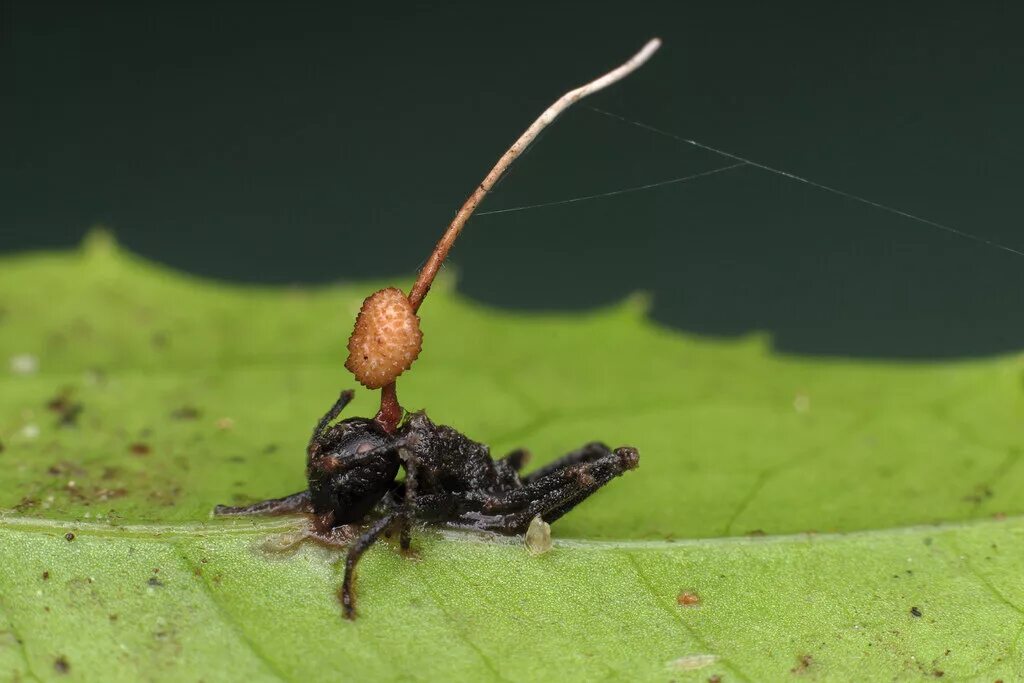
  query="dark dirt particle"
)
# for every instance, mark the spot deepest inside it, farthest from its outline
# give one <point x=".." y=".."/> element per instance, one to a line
<point x="67" y="468"/>
<point x="61" y="665"/>
<point x="803" y="662"/>
<point x="915" y="611"/>
<point x="715" y="679"/>
<point x="110" y="494"/>
<point x="67" y="410"/>
<point x="69" y="537"/>
<point x="186" y="413"/>
<point x="688" y="599"/>
<point x="69" y="418"/>
<point x="26" y="503"/>
<point x="112" y="617"/>
<point x="938" y="673"/>
<point x="46" y="575"/>
<point x="139" y="448"/>
<point x="167" y="497"/>
<point x="153" y="581"/>
<point x="980" y="493"/>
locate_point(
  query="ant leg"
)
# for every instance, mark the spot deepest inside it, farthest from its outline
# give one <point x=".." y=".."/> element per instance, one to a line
<point x="297" y="502"/>
<point x="356" y="551"/>
<point x="343" y="400"/>
<point x="542" y="481"/>
<point x="550" y="496"/>
<point x="411" y="483"/>
<point x="516" y="459"/>
<point x="507" y="469"/>
<point x="589" y="453"/>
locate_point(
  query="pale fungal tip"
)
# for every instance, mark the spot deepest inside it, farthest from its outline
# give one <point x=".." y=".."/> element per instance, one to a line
<point x="386" y="339"/>
<point x="538" y="536"/>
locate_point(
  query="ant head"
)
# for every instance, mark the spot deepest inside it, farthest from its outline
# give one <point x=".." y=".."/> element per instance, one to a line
<point x="348" y="471"/>
<point x="352" y="436"/>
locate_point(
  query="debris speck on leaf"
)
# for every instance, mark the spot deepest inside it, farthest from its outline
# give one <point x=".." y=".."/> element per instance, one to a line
<point x="69" y="537"/>
<point x="538" y="536"/>
<point x="24" y="364"/>
<point x="61" y="665"/>
<point x="915" y="611"/>
<point x="186" y="413"/>
<point x="139" y="448"/>
<point x="67" y="410"/>
<point x="803" y="663"/>
<point x="688" y="599"/>
<point x="693" y="662"/>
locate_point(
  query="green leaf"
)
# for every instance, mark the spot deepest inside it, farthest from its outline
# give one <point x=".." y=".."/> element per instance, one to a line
<point x="833" y="519"/>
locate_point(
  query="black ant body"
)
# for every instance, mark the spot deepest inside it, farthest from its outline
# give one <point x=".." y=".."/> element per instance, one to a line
<point x="450" y="480"/>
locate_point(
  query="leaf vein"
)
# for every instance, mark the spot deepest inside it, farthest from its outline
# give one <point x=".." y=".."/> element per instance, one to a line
<point x="226" y="617"/>
<point x="674" y="614"/>
<point x="488" y="663"/>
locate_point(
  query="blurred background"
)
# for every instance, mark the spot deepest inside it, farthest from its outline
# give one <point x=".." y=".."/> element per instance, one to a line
<point x="309" y="143"/>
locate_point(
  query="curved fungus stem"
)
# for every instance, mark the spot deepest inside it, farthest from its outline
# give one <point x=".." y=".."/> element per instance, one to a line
<point x="426" y="277"/>
<point x="390" y="412"/>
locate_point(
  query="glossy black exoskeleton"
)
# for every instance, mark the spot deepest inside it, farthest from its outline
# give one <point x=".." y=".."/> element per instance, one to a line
<point x="449" y="480"/>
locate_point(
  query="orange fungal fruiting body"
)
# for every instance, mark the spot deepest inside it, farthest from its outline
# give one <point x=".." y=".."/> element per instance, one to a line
<point x="386" y="339"/>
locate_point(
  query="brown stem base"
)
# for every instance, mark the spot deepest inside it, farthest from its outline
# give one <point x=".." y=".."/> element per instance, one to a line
<point x="390" y="413"/>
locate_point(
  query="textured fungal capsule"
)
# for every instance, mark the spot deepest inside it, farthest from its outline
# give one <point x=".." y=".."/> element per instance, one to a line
<point x="386" y="339"/>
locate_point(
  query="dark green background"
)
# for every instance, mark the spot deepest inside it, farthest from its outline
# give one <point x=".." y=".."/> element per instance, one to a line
<point x="314" y="142"/>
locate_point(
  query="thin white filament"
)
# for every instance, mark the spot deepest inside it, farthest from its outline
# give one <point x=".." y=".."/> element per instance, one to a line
<point x="613" y="193"/>
<point x="820" y="186"/>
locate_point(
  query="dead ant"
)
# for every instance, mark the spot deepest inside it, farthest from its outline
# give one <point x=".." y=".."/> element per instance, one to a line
<point x="449" y="479"/>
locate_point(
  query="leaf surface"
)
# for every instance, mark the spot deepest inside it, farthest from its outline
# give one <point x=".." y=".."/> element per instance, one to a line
<point x="825" y="516"/>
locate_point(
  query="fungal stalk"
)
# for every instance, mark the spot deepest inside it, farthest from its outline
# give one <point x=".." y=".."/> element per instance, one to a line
<point x="387" y="339"/>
